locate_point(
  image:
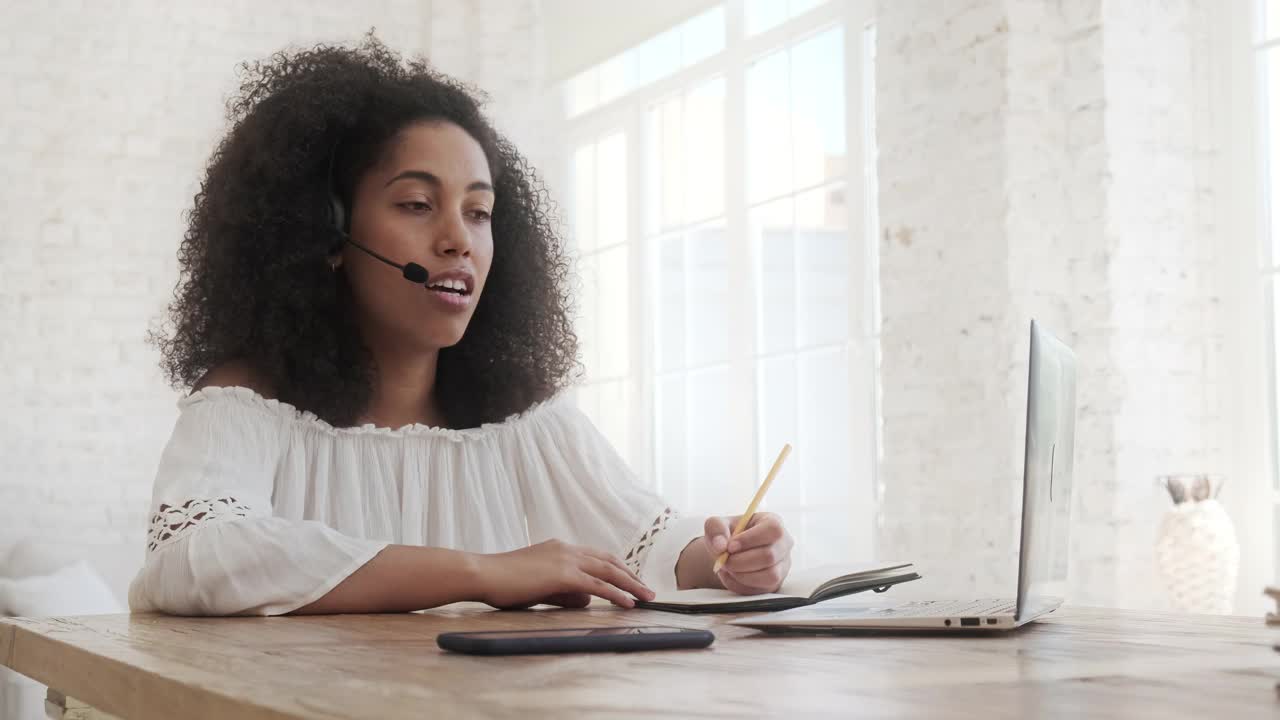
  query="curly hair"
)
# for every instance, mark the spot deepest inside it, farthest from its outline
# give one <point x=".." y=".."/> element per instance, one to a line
<point x="254" y="286"/>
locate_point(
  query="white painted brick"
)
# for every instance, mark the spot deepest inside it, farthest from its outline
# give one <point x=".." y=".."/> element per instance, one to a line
<point x="1098" y="227"/>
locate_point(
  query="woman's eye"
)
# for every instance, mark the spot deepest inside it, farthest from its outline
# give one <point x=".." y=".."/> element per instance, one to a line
<point x="481" y="215"/>
<point x="415" y="206"/>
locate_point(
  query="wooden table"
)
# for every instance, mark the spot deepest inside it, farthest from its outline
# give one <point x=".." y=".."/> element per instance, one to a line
<point x="1076" y="663"/>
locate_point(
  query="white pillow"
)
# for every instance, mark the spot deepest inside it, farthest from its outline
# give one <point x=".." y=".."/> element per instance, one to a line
<point x="37" y="556"/>
<point x="74" y="590"/>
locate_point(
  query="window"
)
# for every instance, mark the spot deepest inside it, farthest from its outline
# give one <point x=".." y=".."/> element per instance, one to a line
<point x="722" y="211"/>
<point x="1267" y="52"/>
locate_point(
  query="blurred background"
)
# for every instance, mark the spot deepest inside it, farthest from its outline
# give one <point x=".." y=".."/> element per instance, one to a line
<point x="825" y="223"/>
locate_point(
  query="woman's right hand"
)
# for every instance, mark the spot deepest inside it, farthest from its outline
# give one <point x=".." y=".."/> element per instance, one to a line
<point x="557" y="573"/>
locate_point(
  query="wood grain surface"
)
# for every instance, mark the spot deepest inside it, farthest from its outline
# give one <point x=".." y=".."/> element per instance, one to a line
<point x="1078" y="662"/>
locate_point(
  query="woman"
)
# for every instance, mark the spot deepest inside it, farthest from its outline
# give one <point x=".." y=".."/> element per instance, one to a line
<point x="357" y="442"/>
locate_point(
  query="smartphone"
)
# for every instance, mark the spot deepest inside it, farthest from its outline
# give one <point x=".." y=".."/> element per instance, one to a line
<point x="605" y="639"/>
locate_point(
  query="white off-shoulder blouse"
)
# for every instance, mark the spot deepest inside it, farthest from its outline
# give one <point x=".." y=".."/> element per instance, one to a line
<point x="260" y="509"/>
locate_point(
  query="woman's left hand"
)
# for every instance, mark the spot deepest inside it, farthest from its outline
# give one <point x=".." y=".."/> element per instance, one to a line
<point x="759" y="558"/>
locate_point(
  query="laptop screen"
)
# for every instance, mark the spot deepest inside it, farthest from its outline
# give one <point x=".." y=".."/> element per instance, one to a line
<point x="1047" y="473"/>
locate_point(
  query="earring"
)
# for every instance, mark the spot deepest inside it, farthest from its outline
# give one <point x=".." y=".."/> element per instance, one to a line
<point x="333" y="264"/>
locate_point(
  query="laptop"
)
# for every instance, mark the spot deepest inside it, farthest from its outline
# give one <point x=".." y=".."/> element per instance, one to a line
<point x="1045" y="525"/>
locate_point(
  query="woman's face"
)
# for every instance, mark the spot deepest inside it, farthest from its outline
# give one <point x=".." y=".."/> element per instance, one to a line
<point x="429" y="200"/>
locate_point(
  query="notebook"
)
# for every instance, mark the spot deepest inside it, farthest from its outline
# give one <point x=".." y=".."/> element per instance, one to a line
<point x="802" y="587"/>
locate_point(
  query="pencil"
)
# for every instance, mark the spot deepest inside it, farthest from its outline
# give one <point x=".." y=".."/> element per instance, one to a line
<point x="755" y="502"/>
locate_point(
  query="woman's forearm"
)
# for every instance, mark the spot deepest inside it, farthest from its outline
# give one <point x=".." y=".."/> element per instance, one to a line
<point x="403" y="578"/>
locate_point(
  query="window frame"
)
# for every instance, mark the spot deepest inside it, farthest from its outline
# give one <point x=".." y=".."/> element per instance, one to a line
<point x="626" y="114"/>
<point x="1267" y="265"/>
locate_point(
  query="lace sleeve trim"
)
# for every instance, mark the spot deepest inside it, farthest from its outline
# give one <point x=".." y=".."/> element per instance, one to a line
<point x="173" y="521"/>
<point x="635" y="555"/>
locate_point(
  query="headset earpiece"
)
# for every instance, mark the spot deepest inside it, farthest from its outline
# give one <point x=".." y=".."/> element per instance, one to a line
<point x="337" y="215"/>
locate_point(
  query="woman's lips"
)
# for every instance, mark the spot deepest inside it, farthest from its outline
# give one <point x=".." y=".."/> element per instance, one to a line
<point x="451" y="300"/>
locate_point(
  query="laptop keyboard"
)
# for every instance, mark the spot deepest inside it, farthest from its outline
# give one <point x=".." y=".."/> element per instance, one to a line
<point x="940" y="608"/>
<point x="945" y="608"/>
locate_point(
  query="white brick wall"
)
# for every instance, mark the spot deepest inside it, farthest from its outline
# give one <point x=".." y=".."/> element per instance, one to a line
<point x="944" y="286"/>
<point x="1043" y="159"/>
<point x="499" y="45"/>
<point x="109" y="118"/>
<point x="1159" y="233"/>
